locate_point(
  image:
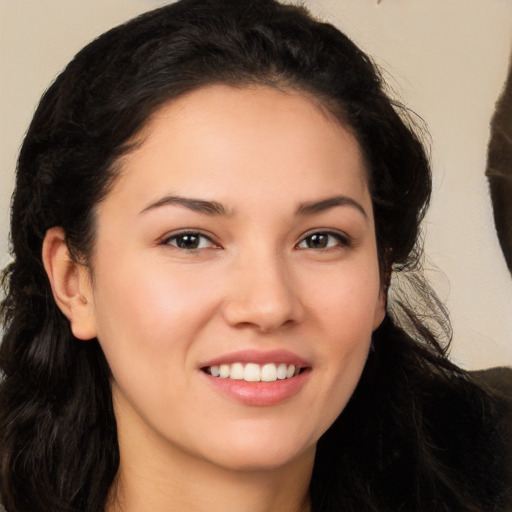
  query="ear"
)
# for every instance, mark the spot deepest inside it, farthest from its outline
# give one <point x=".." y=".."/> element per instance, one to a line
<point x="71" y="284"/>
<point x="380" y="309"/>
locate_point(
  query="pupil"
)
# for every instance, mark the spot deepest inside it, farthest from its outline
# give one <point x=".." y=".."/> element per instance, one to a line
<point x="187" y="241"/>
<point x="317" y="241"/>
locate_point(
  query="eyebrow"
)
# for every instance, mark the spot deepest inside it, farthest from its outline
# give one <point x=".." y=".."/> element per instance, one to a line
<point x="196" y="205"/>
<point x="213" y="208"/>
<point x="316" y="207"/>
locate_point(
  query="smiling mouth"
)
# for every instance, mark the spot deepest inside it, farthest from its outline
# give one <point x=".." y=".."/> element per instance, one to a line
<point x="252" y="372"/>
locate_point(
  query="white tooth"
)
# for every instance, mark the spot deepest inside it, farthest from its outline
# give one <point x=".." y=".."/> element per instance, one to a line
<point x="252" y="372"/>
<point x="269" y="372"/>
<point x="236" y="371"/>
<point x="281" y="371"/>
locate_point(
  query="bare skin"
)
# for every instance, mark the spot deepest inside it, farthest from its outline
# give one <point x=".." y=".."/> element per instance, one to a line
<point x="155" y="485"/>
<point x="240" y="234"/>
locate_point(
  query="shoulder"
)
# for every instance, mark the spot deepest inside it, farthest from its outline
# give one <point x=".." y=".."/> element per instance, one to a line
<point x="498" y="383"/>
<point x="495" y="411"/>
<point x="498" y="380"/>
<point x="468" y="421"/>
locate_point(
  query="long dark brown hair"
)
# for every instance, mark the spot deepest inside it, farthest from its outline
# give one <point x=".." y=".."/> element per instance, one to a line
<point x="58" y="440"/>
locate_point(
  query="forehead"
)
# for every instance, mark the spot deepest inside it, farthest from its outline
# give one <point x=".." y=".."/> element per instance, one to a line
<point x="220" y="139"/>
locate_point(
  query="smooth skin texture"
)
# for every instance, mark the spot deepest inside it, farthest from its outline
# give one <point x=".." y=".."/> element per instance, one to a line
<point x="242" y="222"/>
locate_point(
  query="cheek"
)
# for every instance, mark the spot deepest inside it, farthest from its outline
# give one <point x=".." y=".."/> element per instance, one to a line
<point x="346" y="299"/>
<point x="345" y="305"/>
<point x="147" y="316"/>
<point x="146" y="324"/>
<point x="146" y="295"/>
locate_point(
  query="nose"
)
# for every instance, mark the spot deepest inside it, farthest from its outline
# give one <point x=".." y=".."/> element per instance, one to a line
<point x="262" y="294"/>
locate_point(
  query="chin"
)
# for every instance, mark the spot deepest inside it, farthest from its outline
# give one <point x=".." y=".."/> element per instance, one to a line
<point x="262" y="454"/>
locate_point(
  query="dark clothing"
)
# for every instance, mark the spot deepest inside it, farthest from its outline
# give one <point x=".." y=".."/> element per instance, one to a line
<point x="412" y="440"/>
<point x="499" y="381"/>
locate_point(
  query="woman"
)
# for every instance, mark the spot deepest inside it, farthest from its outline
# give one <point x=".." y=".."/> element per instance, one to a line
<point x="209" y="205"/>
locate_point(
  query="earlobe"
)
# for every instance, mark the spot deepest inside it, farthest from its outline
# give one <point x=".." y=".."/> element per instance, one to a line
<point x="70" y="284"/>
<point x="380" y="310"/>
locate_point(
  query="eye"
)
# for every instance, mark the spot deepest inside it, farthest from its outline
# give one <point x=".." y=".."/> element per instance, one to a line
<point x="189" y="241"/>
<point x="323" y="240"/>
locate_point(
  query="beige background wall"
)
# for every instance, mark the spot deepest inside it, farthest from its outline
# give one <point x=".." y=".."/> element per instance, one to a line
<point x="446" y="59"/>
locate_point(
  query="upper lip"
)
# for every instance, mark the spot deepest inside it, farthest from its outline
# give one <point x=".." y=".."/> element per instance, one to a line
<point x="258" y="357"/>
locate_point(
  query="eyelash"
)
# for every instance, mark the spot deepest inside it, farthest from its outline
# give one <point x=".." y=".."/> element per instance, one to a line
<point x="183" y="234"/>
<point x="342" y="240"/>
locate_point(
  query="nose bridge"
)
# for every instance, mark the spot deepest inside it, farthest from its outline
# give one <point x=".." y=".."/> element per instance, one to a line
<point x="262" y="291"/>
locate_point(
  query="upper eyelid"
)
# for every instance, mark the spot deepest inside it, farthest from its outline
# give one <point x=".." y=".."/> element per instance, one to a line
<point x="213" y="239"/>
<point x="327" y="231"/>
<point x="187" y="231"/>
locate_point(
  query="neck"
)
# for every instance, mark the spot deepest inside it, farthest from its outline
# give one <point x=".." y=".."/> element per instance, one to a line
<point x="157" y="476"/>
<point x="149" y="486"/>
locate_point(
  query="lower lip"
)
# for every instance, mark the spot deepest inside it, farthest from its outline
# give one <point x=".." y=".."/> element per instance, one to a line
<point x="259" y="393"/>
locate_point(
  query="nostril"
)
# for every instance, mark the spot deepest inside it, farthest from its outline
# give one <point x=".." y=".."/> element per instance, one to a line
<point x="266" y="301"/>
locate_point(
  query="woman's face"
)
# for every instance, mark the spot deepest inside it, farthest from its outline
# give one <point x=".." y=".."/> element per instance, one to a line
<point x="239" y="240"/>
